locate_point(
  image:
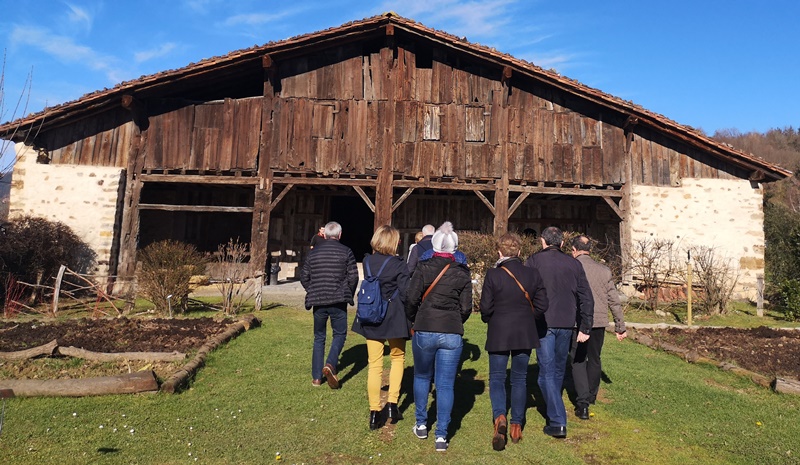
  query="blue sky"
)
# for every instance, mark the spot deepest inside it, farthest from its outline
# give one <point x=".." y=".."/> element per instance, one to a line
<point x="710" y="64"/>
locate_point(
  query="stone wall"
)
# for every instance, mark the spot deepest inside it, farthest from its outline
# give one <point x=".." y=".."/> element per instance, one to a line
<point x="85" y="198"/>
<point x="724" y="214"/>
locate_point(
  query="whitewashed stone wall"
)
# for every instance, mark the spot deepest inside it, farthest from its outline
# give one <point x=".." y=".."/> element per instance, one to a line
<point x="720" y="213"/>
<point x="85" y="198"/>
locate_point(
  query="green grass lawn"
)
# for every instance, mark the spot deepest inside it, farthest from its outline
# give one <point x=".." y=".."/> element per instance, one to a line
<point x="254" y="399"/>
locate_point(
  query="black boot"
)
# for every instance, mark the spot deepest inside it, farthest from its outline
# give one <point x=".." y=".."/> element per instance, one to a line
<point x="393" y="414"/>
<point x="375" y="419"/>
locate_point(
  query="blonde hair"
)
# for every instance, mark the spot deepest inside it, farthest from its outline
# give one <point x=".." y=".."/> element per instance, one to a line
<point x="418" y="237"/>
<point x="385" y="240"/>
<point x="509" y="244"/>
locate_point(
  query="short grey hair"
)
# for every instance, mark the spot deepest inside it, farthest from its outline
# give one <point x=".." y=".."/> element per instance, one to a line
<point x="552" y="236"/>
<point x="428" y="230"/>
<point x="333" y="230"/>
<point x="582" y="243"/>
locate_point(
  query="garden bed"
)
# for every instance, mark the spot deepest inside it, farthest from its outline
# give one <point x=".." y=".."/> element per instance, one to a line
<point x="138" y="343"/>
<point x="771" y="355"/>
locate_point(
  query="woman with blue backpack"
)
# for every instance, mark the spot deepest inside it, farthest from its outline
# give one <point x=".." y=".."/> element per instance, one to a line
<point x="381" y="318"/>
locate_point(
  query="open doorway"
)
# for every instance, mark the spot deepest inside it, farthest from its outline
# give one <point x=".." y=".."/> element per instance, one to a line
<point x="357" y="222"/>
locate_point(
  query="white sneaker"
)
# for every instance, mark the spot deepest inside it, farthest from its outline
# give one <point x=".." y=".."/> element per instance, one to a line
<point x="421" y="431"/>
<point x="441" y="445"/>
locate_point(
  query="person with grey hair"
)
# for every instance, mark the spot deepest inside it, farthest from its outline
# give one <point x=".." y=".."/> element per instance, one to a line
<point x="586" y="368"/>
<point x="438" y="302"/>
<point x="329" y="276"/>
<point x="570" y="303"/>
<point x="422" y="246"/>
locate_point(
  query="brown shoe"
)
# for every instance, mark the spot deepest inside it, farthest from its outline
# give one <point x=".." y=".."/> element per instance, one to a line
<point x="516" y="433"/>
<point x="330" y="376"/>
<point x="500" y="428"/>
<point x="316" y="382"/>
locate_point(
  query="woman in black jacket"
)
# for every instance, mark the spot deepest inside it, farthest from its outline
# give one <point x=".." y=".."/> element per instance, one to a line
<point x="439" y="301"/>
<point x="395" y="327"/>
<point x="512" y="299"/>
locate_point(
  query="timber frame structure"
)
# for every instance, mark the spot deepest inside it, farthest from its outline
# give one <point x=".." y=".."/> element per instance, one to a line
<point x="421" y="125"/>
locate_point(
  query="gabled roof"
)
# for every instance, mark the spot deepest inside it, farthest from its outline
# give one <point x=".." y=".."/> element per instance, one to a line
<point x="150" y="85"/>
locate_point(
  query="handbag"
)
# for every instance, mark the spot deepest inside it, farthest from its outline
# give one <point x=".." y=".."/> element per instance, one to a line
<point x="430" y="288"/>
<point x="527" y="296"/>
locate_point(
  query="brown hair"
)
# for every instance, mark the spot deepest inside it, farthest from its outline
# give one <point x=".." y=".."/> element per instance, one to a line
<point x="385" y="240"/>
<point x="509" y="244"/>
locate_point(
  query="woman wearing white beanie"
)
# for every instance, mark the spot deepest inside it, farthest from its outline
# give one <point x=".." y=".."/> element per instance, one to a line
<point x="438" y="302"/>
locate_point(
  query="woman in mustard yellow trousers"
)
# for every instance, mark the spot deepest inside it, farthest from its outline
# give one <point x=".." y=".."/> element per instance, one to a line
<point x="395" y="329"/>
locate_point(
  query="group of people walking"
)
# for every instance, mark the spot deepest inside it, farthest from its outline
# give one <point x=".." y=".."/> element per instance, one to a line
<point x="546" y="304"/>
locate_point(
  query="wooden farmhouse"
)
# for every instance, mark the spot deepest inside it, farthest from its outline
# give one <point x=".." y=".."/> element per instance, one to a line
<point x="377" y="121"/>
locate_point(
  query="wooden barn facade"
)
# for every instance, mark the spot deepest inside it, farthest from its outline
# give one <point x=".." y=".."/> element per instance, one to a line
<point x="378" y="121"/>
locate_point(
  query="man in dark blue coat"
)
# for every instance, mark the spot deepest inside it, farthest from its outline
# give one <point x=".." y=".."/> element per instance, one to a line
<point x="570" y="303"/>
<point x="330" y="277"/>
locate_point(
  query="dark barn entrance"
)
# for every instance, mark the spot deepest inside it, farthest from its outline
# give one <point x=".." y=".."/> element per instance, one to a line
<point x="357" y="223"/>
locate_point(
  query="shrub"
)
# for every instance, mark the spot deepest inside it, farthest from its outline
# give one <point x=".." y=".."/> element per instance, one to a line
<point x="789" y="299"/>
<point x="717" y="278"/>
<point x="32" y="249"/>
<point x="233" y="286"/>
<point x="167" y="267"/>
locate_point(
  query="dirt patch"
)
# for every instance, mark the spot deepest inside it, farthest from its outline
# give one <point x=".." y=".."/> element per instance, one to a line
<point x="763" y="350"/>
<point x="103" y="335"/>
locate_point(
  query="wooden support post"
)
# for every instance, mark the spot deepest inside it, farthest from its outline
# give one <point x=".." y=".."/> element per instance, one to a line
<point x="263" y="204"/>
<point x="501" y="200"/>
<point x="129" y="232"/>
<point x="384" y="188"/>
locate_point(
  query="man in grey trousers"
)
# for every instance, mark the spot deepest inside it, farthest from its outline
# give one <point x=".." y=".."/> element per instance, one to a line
<point x="586" y="368"/>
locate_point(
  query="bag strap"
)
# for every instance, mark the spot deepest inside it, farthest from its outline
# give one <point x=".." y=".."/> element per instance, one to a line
<point x="441" y="273"/>
<point x="527" y="296"/>
<point x="380" y="270"/>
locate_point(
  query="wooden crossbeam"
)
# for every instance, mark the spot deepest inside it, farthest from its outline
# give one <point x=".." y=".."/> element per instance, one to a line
<point x="517" y="203"/>
<point x="485" y="201"/>
<point x="614" y="207"/>
<point x="402" y="198"/>
<point x="363" y="195"/>
<point x="280" y="196"/>
<point x="194" y="208"/>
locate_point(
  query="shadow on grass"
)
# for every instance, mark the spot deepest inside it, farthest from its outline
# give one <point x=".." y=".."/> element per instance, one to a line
<point x="466" y="389"/>
<point x="355" y="356"/>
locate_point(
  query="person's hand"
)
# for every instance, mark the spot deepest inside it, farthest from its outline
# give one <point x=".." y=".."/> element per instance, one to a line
<point x="622" y="335"/>
<point x="582" y="337"/>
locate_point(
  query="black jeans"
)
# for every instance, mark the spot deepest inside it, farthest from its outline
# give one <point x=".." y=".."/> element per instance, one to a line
<point x="586" y="368"/>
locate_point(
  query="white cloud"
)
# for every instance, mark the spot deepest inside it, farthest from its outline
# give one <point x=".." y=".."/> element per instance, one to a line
<point x="255" y="19"/>
<point x="157" y="52"/>
<point x="479" y="18"/>
<point x="66" y="50"/>
<point x="79" y="15"/>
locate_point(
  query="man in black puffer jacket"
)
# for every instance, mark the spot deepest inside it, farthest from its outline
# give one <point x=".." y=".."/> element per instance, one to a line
<point x="330" y="277"/>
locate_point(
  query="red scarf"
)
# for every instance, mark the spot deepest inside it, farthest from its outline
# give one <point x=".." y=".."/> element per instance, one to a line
<point x="444" y="255"/>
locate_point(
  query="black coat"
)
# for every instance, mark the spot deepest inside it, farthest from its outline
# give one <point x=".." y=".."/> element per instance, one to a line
<point x="448" y="305"/>
<point x="568" y="292"/>
<point x="329" y="274"/>
<point x="394" y="277"/>
<point x="512" y="322"/>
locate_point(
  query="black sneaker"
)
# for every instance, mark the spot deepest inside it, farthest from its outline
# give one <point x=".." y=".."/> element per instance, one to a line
<point x="441" y="445"/>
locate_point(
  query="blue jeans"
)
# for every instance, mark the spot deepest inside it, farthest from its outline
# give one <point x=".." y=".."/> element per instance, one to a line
<point x="552" y="360"/>
<point x="338" y="315"/>
<point x="498" y="361"/>
<point x="436" y="356"/>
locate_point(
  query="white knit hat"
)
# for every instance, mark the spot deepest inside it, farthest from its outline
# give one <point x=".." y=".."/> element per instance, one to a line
<point x="445" y="240"/>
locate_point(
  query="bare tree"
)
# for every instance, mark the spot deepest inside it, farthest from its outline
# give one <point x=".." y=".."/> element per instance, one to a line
<point x="234" y="286"/>
<point x="716" y="276"/>
<point x="7" y="157"/>
<point x="654" y="262"/>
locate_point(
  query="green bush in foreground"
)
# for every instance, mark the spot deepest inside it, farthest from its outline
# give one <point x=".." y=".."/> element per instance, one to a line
<point x="167" y="267"/>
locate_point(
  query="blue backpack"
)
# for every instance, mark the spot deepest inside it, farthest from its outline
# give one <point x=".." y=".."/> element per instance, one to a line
<point x="372" y="307"/>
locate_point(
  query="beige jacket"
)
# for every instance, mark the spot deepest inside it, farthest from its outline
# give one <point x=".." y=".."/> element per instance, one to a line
<point x="604" y="292"/>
